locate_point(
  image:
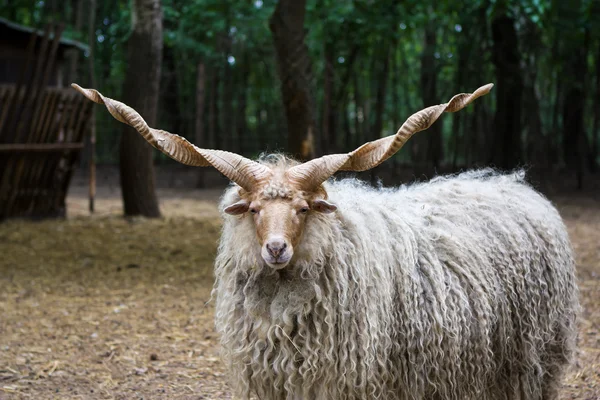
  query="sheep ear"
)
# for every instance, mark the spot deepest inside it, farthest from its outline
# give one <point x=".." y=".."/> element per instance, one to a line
<point x="237" y="208"/>
<point x="323" y="206"/>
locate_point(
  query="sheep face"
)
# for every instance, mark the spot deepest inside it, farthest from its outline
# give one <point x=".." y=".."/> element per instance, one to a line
<point x="280" y="211"/>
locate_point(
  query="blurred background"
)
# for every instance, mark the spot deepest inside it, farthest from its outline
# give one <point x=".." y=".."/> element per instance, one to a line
<point x="310" y="78"/>
<point x="95" y="305"/>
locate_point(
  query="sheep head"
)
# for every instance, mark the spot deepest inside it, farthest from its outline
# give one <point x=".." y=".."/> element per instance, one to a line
<point x="279" y="210"/>
<point x="280" y="199"/>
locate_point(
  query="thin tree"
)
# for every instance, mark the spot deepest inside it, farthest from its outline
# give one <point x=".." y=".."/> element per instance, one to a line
<point x="509" y="93"/>
<point x="595" y="147"/>
<point x="381" y="85"/>
<point x="199" y="124"/>
<point x="241" y="134"/>
<point x="574" y="138"/>
<point x="141" y="91"/>
<point x="295" y="72"/>
<point x="77" y="7"/>
<point x="427" y="149"/>
<point x="327" y="134"/>
<point x="92" y="80"/>
<point x="227" y="117"/>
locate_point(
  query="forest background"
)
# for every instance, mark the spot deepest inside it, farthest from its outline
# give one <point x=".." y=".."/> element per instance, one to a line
<point x="257" y="75"/>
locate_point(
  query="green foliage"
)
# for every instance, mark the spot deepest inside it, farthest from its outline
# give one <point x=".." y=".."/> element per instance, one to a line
<point x="232" y="39"/>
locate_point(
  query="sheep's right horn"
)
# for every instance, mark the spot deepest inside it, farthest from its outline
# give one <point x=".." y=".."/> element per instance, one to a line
<point x="246" y="173"/>
<point x="311" y="174"/>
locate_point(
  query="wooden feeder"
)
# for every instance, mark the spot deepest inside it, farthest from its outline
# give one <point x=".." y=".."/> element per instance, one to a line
<point x="42" y="123"/>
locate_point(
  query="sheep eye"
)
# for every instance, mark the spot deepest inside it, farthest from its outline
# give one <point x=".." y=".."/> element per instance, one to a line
<point x="304" y="210"/>
<point x="253" y="210"/>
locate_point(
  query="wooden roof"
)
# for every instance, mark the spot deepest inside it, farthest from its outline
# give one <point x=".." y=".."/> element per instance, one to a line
<point x="16" y="30"/>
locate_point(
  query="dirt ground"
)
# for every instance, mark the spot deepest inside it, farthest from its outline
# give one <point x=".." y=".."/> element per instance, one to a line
<point x="106" y="308"/>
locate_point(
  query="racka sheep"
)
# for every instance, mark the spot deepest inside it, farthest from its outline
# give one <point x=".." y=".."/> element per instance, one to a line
<point x="459" y="288"/>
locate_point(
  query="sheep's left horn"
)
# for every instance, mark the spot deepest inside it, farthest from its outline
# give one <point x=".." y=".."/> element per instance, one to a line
<point x="246" y="173"/>
<point x="311" y="174"/>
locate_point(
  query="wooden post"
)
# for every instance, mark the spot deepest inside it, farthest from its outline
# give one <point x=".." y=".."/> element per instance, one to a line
<point x="92" y="166"/>
<point x="199" y="125"/>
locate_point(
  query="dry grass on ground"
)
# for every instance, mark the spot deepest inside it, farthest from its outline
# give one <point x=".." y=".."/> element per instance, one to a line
<point x="100" y="307"/>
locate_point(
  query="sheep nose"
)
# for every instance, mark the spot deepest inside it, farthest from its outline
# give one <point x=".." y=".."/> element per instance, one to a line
<point x="275" y="247"/>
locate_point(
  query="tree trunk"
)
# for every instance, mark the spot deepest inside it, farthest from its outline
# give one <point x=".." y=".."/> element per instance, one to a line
<point x="358" y="113"/>
<point x="92" y="77"/>
<point x="78" y="7"/>
<point x="595" y="148"/>
<point x="535" y="154"/>
<point x="344" y="82"/>
<point x="395" y="87"/>
<point x="199" y="124"/>
<point x="326" y="134"/>
<point x="347" y="126"/>
<point x="380" y="96"/>
<point x="460" y="82"/>
<point x="509" y="93"/>
<point x="380" y="99"/>
<point x="555" y="93"/>
<point x="367" y="99"/>
<point x="574" y="139"/>
<point x="553" y="152"/>
<point x="213" y="111"/>
<point x="142" y="80"/>
<point x="295" y="72"/>
<point x="340" y="97"/>
<point x="227" y="117"/>
<point x="52" y="10"/>
<point x="396" y="67"/>
<point x="173" y="101"/>
<point x="261" y="130"/>
<point x="427" y="149"/>
<point x="242" y="135"/>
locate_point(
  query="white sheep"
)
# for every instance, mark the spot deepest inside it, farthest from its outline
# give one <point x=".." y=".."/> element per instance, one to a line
<point x="459" y="288"/>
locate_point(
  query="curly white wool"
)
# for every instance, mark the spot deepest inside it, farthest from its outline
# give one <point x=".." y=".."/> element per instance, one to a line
<point x="459" y="288"/>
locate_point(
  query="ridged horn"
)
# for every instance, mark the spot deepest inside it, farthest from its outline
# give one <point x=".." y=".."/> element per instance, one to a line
<point x="246" y="173"/>
<point x="312" y="173"/>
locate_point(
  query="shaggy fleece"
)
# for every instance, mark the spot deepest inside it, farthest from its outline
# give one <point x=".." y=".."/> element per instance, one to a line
<point x="459" y="288"/>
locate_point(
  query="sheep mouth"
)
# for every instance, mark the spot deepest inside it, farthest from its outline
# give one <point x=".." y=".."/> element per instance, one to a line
<point x="278" y="263"/>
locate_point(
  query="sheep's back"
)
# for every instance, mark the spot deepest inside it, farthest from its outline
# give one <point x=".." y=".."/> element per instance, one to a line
<point x="478" y="274"/>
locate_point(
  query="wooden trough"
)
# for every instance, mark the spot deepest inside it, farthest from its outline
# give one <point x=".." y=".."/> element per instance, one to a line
<point x="42" y="131"/>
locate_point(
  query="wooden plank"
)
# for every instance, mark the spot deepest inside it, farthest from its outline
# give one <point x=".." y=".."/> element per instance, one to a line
<point x="41" y="171"/>
<point x="84" y="113"/>
<point x="26" y="120"/>
<point x="51" y="122"/>
<point x="6" y="101"/>
<point x="41" y="116"/>
<point x="29" y="167"/>
<point x="32" y="85"/>
<point x="50" y="61"/>
<point x="72" y="158"/>
<point x="7" y="94"/>
<point x="41" y="164"/>
<point x="50" y="180"/>
<point x="5" y="186"/>
<point x="38" y="147"/>
<point x="65" y="108"/>
<point x="39" y="174"/>
<point x="10" y="105"/>
<point x="76" y="106"/>
<point x="51" y="170"/>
